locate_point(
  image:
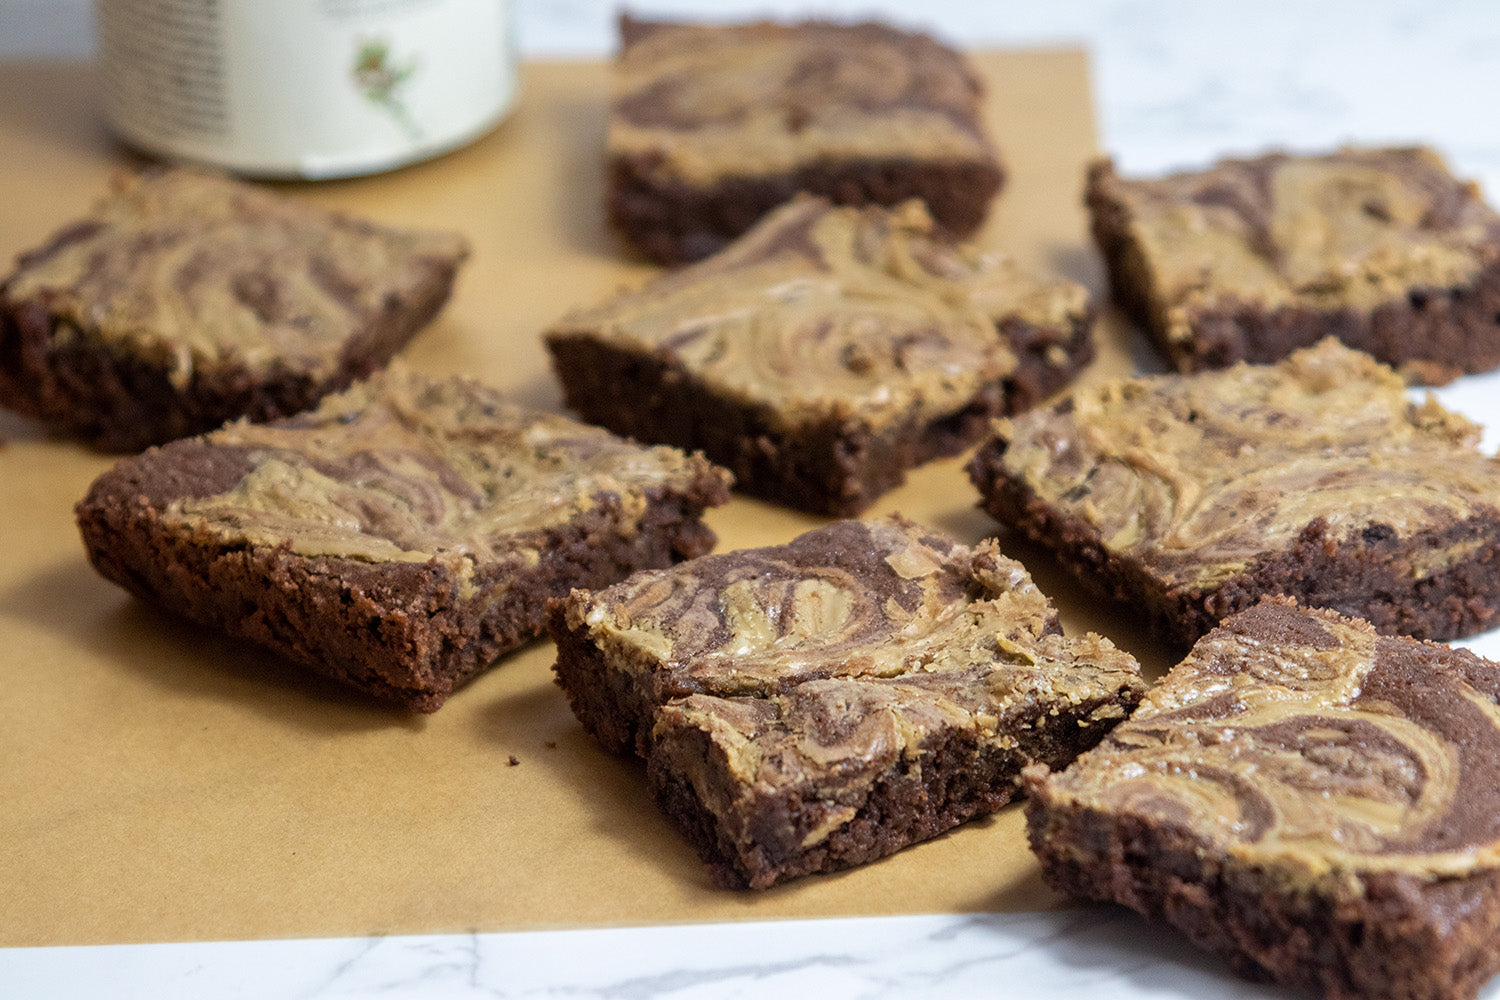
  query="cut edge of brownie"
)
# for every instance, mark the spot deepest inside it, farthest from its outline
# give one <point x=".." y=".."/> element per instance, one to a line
<point x="1360" y="574"/>
<point x="675" y="223"/>
<point x="837" y="467"/>
<point x="1375" y="943"/>
<point x="394" y="630"/>
<point x="1433" y="335"/>
<point x="608" y="703"/>
<point x="955" y="778"/>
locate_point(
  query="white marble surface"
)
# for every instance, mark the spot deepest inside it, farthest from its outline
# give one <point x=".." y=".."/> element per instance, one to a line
<point x="1177" y="83"/>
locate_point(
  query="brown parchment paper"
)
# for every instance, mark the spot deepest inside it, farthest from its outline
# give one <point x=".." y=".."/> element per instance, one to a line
<point x="160" y="783"/>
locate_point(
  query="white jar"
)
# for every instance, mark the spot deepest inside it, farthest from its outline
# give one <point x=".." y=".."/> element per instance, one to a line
<point x="305" y="88"/>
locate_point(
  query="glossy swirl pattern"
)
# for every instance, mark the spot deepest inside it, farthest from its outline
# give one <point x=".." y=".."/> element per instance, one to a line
<point x="1306" y="743"/>
<point x="767" y="98"/>
<point x="852" y="643"/>
<point x="1354" y="228"/>
<point x="1201" y="477"/>
<point x="827" y="313"/>
<point x="185" y="268"/>
<point x="405" y="468"/>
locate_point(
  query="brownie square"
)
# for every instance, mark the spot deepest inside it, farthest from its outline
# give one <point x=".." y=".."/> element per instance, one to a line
<point x="816" y="705"/>
<point x="400" y="536"/>
<point x="714" y="125"/>
<point x="825" y="352"/>
<point x="1191" y="496"/>
<point x="186" y="299"/>
<point x="1251" y="259"/>
<point x="1312" y="801"/>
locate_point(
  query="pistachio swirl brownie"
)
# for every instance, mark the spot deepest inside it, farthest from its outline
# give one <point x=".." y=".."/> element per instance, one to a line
<point x="1251" y="259"/>
<point x="186" y="299"/>
<point x="714" y="125"/>
<point x="399" y="536"/>
<point x="825" y="352"/>
<point x="1191" y="496"/>
<point x="1311" y="800"/>
<point x="816" y="705"/>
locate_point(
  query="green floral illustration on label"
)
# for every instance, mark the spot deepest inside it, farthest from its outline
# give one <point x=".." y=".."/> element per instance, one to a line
<point x="382" y="81"/>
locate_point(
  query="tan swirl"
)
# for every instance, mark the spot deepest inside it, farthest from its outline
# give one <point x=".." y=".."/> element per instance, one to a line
<point x="185" y="268"/>
<point x="1203" y="476"/>
<point x="766" y="98"/>
<point x="1353" y="228"/>
<point x="827" y="313"/>
<point x="1320" y="758"/>
<point x="403" y="468"/>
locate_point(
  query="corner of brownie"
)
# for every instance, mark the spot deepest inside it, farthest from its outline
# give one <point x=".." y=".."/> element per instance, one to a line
<point x="186" y="299"/>
<point x="1310" y="800"/>
<point x="825" y="352"/>
<point x="817" y="705"/>
<point x="1250" y="259"/>
<point x="398" y="537"/>
<point x="1192" y="496"/>
<point x="713" y="126"/>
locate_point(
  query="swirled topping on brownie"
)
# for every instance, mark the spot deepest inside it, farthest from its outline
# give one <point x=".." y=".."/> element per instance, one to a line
<point x="1315" y="477"/>
<point x="769" y="98"/>
<point x="186" y="299"/>
<point x="714" y="125"/>
<point x="399" y="536"/>
<point x="1366" y="244"/>
<point x="408" y="469"/>
<point x="1296" y="775"/>
<point x="825" y="323"/>
<point x="810" y="706"/>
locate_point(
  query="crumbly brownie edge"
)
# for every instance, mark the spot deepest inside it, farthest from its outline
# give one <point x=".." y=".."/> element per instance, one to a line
<point x="1401" y="937"/>
<point x="608" y="702"/>
<point x="1433" y="334"/>
<point x="120" y="402"/>
<point x="395" y="630"/>
<point x="1360" y="577"/>
<point x="838" y="468"/>
<point x="676" y="223"/>
<point x="954" y="779"/>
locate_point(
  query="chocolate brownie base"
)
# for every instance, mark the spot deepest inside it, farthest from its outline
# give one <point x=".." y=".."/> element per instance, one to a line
<point x="1402" y="554"/>
<point x="1433" y="332"/>
<point x="837" y="467"/>
<point x="1368" y="905"/>
<point x="407" y="630"/>
<point x="188" y="299"/>
<point x="809" y="707"/>
<point x="1403" y="938"/>
<point x="675" y="223"/>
